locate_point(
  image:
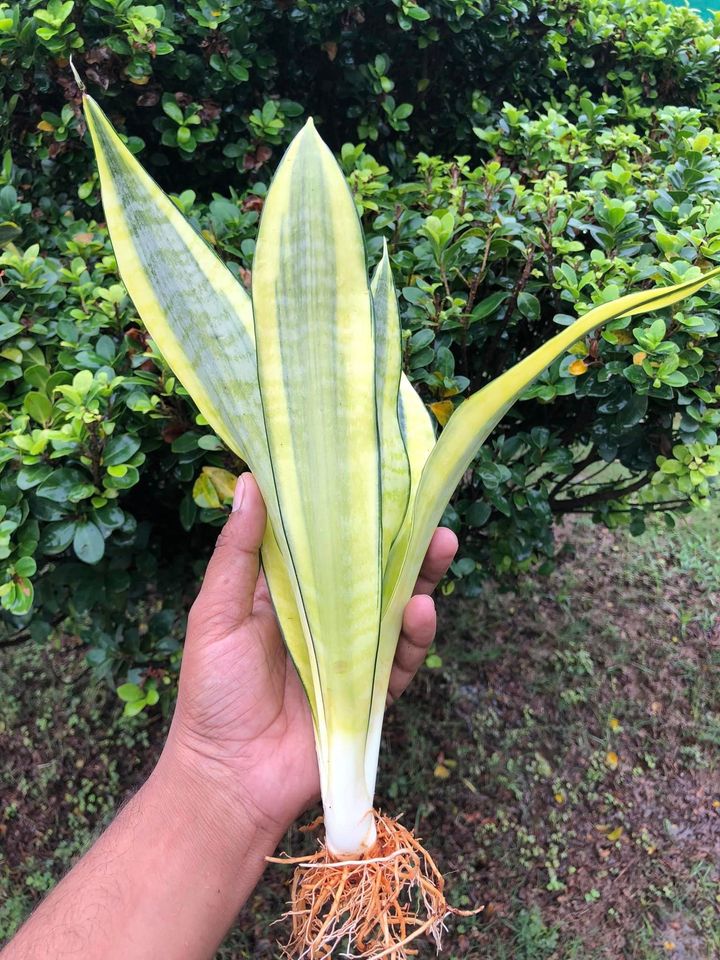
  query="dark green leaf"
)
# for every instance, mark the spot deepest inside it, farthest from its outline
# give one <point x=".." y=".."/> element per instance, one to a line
<point x="66" y="484"/>
<point x="57" y="537"/>
<point x="185" y="442"/>
<point x="88" y="542"/>
<point x="120" y="449"/>
<point x="478" y="513"/>
<point x="31" y="475"/>
<point x="488" y="306"/>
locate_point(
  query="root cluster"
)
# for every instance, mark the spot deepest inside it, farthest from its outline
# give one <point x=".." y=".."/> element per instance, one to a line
<point x="369" y="908"/>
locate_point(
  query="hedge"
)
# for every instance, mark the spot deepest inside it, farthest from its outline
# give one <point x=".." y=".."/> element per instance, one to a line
<point x="523" y="160"/>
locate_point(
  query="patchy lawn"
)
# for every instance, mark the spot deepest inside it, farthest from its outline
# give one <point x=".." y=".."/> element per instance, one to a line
<point x="562" y="763"/>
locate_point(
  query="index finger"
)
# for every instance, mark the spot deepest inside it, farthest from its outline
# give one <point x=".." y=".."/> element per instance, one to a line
<point x="438" y="558"/>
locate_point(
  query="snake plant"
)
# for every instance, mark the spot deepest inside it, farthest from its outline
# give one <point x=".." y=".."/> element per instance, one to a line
<point x="304" y="382"/>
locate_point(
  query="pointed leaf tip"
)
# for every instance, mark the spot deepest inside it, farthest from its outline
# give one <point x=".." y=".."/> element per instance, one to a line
<point x="76" y="75"/>
<point x="309" y="133"/>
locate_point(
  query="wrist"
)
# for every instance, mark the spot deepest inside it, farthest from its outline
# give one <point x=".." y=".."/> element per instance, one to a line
<point x="208" y="799"/>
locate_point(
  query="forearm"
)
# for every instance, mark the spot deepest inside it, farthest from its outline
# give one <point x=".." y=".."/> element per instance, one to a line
<point x="166" y="879"/>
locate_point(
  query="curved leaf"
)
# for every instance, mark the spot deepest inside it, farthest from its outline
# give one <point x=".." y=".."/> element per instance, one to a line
<point x="199" y="316"/>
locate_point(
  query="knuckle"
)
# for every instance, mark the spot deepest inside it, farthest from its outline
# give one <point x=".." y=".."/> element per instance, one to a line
<point x="224" y="539"/>
<point x="230" y="542"/>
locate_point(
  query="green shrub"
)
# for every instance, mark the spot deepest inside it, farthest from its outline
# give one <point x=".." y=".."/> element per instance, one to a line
<point x="225" y="83"/>
<point x="519" y="159"/>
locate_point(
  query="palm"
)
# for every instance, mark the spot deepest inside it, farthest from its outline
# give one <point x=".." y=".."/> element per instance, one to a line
<point x="247" y="704"/>
<point x="242" y="711"/>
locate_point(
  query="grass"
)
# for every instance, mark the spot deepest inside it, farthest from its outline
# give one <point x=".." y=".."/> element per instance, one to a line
<point x="562" y="763"/>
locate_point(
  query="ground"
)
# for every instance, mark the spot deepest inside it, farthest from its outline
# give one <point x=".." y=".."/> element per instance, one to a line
<point x="562" y="763"/>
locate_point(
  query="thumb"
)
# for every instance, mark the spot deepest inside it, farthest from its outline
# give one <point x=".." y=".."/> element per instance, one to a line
<point x="226" y="597"/>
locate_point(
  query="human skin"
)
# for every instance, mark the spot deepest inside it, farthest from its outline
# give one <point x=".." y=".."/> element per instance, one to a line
<point x="169" y="875"/>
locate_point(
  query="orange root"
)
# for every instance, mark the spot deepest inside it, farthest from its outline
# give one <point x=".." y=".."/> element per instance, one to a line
<point x="374" y="907"/>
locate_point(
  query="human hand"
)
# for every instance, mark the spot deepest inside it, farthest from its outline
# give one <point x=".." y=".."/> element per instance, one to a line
<point x="242" y="722"/>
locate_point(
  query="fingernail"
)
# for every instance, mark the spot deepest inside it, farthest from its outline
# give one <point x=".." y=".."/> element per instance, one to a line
<point x="239" y="494"/>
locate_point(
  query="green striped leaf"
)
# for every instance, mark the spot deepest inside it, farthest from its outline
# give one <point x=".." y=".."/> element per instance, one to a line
<point x="394" y="463"/>
<point x="201" y="320"/>
<point x="477" y="417"/>
<point x="316" y="365"/>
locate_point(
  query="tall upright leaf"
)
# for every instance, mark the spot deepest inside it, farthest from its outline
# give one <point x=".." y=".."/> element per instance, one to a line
<point x="316" y="366"/>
